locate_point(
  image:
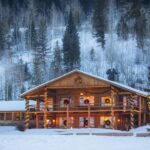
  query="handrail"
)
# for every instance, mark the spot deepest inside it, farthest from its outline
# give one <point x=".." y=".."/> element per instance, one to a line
<point x="57" y="107"/>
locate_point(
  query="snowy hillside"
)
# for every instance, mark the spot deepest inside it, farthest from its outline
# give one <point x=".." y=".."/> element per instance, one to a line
<point x="112" y="36"/>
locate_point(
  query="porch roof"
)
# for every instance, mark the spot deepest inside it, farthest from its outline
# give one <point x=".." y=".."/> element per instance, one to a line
<point x="113" y="83"/>
<point x="13" y="105"/>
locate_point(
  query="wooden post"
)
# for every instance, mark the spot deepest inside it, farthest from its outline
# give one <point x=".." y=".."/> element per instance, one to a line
<point x="67" y="117"/>
<point x="27" y="117"/>
<point x="89" y="115"/>
<point x="112" y="109"/>
<point x="37" y="120"/>
<point x="144" y="118"/>
<point x="38" y="105"/>
<point x="20" y="116"/>
<point x="140" y="109"/>
<point x="45" y="109"/>
<point x="131" y="112"/>
<point x="12" y="116"/>
<point x="4" y="116"/>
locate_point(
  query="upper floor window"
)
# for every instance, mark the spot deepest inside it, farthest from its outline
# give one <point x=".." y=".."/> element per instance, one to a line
<point x="107" y="101"/>
<point x="64" y="100"/>
<point x="84" y="98"/>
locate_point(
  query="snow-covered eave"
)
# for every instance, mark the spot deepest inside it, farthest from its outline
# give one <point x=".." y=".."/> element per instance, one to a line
<point x="14" y="106"/>
<point x="122" y="86"/>
<point x="5" y="111"/>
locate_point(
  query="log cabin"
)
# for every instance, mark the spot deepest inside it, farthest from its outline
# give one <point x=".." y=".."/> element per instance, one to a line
<point x="81" y="100"/>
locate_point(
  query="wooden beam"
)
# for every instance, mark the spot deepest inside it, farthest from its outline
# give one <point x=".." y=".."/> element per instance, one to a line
<point x="37" y="120"/>
<point x="124" y="93"/>
<point x="38" y="105"/>
<point x="12" y="116"/>
<point x="4" y="116"/>
<point x="67" y="116"/>
<point x="112" y="108"/>
<point x="45" y="108"/>
<point x="140" y="109"/>
<point x="89" y="115"/>
<point x="76" y="87"/>
<point x="27" y="117"/>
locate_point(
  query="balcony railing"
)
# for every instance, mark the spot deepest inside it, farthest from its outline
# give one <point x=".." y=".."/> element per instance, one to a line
<point x="95" y="107"/>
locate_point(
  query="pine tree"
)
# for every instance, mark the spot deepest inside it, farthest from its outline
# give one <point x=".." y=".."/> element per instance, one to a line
<point x="27" y="75"/>
<point x="92" y="54"/>
<point x="16" y="35"/>
<point x="112" y="74"/>
<point x="31" y="36"/>
<point x="39" y="56"/>
<point x="71" y="48"/>
<point x="3" y="40"/>
<point x="100" y="21"/>
<point x="122" y="29"/>
<point x="57" y="61"/>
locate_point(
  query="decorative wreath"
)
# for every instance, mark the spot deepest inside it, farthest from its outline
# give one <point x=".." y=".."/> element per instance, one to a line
<point x="107" y="101"/>
<point x="78" y="80"/>
<point x="65" y="122"/>
<point x="66" y="101"/>
<point x="86" y="101"/>
<point x="107" y="122"/>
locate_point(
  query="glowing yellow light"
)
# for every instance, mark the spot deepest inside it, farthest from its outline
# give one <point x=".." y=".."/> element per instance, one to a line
<point x="118" y="120"/>
<point x="81" y="94"/>
<point x="148" y="97"/>
<point x="47" y="120"/>
<point x="106" y="119"/>
<point x="54" y="121"/>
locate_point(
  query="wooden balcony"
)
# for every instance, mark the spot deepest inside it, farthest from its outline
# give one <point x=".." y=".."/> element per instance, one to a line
<point x="84" y="108"/>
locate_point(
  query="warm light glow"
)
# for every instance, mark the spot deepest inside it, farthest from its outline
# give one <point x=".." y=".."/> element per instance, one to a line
<point x="81" y="94"/>
<point x="148" y="97"/>
<point x="118" y="120"/>
<point x="54" y="121"/>
<point x="105" y="118"/>
<point x="47" y="120"/>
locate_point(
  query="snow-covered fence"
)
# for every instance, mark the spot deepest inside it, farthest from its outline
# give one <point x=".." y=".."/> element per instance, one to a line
<point x="143" y="135"/>
<point x="113" y="134"/>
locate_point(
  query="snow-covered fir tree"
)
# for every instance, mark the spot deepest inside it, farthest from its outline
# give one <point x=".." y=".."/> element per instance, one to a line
<point x="98" y="36"/>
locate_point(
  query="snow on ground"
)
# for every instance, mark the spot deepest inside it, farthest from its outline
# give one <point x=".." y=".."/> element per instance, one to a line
<point x="40" y="139"/>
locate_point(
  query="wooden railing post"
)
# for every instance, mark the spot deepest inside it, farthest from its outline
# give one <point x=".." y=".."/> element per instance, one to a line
<point x="89" y="115"/>
<point x="45" y="108"/>
<point x="37" y="120"/>
<point x="140" y="110"/>
<point x="67" y="117"/>
<point x="27" y="117"/>
<point x="37" y="105"/>
<point x="112" y="109"/>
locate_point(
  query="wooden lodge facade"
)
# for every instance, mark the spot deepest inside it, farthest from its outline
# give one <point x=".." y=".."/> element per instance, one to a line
<point x="79" y="100"/>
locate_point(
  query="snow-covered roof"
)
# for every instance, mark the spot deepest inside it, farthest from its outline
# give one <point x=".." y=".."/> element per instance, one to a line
<point x="14" y="105"/>
<point x="122" y="86"/>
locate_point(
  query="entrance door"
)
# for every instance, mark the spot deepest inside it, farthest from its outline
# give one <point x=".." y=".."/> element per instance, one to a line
<point x="83" y="122"/>
<point x="106" y="121"/>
